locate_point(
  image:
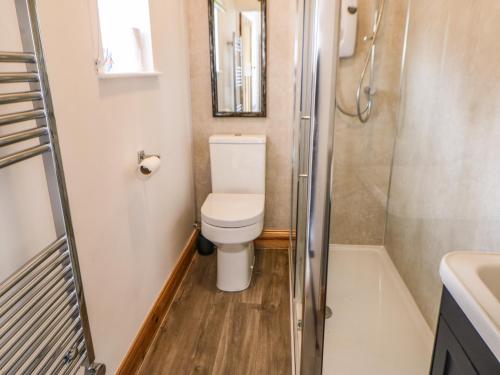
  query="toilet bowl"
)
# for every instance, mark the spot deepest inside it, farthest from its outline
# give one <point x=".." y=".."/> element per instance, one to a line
<point x="232" y="222"/>
<point x="232" y="216"/>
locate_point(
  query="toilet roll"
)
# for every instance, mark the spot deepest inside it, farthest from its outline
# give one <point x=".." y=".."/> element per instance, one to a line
<point x="148" y="166"/>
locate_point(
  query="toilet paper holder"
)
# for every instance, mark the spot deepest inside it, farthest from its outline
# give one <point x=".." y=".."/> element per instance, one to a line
<point x="141" y="155"/>
<point x="147" y="164"/>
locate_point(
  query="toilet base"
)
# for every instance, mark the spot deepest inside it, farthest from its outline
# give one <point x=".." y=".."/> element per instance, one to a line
<point x="234" y="266"/>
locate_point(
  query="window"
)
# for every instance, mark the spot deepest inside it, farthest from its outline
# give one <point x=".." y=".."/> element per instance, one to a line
<point x="125" y="32"/>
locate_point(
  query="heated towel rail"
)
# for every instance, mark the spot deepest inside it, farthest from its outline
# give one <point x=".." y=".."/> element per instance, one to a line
<point x="44" y="327"/>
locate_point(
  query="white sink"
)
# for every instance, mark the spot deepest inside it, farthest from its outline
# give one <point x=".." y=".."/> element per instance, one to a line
<point x="473" y="279"/>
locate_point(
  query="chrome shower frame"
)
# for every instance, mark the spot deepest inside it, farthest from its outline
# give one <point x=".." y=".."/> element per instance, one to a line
<point x="313" y="156"/>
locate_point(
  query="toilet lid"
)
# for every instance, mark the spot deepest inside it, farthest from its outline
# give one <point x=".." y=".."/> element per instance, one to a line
<point x="233" y="210"/>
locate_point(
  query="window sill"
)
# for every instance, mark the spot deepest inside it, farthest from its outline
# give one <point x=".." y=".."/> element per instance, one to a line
<point x="128" y="75"/>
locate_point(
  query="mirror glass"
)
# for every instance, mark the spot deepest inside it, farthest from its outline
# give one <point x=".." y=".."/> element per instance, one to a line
<point x="238" y="57"/>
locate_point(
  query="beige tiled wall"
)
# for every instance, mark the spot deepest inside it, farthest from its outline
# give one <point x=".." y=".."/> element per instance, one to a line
<point x="446" y="177"/>
<point x="363" y="152"/>
<point x="278" y="124"/>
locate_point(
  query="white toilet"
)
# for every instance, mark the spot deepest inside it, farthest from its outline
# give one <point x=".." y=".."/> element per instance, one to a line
<point x="233" y="214"/>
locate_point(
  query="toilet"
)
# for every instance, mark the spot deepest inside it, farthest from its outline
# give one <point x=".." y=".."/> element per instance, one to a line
<point x="232" y="216"/>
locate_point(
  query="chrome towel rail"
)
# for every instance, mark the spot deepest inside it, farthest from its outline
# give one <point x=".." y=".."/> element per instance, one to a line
<point x="61" y="353"/>
<point x="77" y="349"/>
<point x="17" y="57"/>
<point x="22" y="136"/>
<point x="13" y="324"/>
<point x="19" y="336"/>
<point x="40" y="350"/>
<point x="33" y="285"/>
<point x="19" y="77"/>
<point x="23" y="155"/>
<point x="44" y="327"/>
<point x="74" y="367"/>
<point x="32" y="265"/>
<point x="18" y="97"/>
<point x="13" y="118"/>
<point x="37" y="347"/>
<point x="58" y="352"/>
<point x="29" y="335"/>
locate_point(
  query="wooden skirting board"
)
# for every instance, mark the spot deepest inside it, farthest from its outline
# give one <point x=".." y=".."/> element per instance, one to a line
<point x="276" y="239"/>
<point x="135" y="355"/>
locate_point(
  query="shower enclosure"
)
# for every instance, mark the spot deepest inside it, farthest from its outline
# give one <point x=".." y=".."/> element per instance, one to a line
<point x="353" y="313"/>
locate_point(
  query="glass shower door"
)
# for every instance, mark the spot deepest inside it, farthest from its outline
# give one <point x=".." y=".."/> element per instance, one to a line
<point x="312" y="177"/>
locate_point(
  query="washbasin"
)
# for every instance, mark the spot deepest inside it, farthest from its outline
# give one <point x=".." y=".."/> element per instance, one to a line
<point x="490" y="275"/>
<point x="473" y="279"/>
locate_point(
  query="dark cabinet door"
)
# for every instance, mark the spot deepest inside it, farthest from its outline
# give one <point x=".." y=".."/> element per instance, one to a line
<point x="449" y="356"/>
<point x="459" y="347"/>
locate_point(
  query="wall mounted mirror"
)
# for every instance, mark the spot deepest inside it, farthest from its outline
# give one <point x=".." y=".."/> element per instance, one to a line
<point x="238" y="57"/>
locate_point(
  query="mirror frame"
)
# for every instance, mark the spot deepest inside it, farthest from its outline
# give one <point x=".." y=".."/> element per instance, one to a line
<point x="263" y="83"/>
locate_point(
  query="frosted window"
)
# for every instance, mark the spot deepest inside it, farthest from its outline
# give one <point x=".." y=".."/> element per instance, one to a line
<point x="125" y="36"/>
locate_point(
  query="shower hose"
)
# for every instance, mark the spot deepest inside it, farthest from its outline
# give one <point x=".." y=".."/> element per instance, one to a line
<point x="363" y="114"/>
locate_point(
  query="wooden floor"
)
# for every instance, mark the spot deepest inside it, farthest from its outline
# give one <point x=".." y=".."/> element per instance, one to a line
<point x="211" y="332"/>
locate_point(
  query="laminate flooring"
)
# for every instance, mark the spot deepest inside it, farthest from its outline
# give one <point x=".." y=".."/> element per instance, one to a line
<point x="207" y="331"/>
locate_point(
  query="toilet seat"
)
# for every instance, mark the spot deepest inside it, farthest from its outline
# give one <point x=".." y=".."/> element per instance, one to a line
<point x="233" y="210"/>
<point x="219" y="235"/>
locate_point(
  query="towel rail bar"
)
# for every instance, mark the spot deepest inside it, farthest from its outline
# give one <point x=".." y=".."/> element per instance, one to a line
<point x="38" y="300"/>
<point x="19" y="77"/>
<point x="22" y="136"/>
<point x="13" y="118"/>
<point x="36" y="348"/>
<point x="32" y="265"/>
<point x="23" y="155"/>
<point x="59" y="350"/>
<point x="16" y="338"/>
<point x="48" y="328"/>
<point x="42" y="324"/>
<point x="17" y="57"/>
<point x="75" y="366"/>
<point x="33" y="286"/>
<point x="75" y="348"/>
<point x="40" y="351"/>
<point x="18" y="97"/>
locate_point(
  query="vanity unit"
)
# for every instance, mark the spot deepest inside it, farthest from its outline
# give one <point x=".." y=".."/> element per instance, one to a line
<point x="468" y="334"/>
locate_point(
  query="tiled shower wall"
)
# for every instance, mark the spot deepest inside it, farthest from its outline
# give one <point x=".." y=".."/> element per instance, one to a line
<point x="446" y="181"/>
<point x="363" y="152"/>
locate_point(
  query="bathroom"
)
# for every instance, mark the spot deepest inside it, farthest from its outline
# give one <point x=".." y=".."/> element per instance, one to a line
<point x="249" y="187"/>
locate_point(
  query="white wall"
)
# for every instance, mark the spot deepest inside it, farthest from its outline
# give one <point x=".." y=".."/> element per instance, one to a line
<point x="129" y="233"/>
